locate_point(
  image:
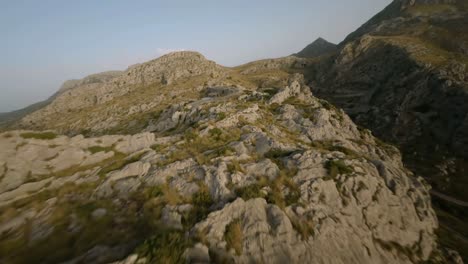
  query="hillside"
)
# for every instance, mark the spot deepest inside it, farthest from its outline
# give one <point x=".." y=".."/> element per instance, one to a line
<point x="235" y="175"/>
<point x="182" y="160"/>
<point x="10" y="118"/>
<point x="403" y="75"/>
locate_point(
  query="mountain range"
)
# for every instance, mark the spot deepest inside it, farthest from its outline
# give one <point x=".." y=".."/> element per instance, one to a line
<point x="347" y="153"/>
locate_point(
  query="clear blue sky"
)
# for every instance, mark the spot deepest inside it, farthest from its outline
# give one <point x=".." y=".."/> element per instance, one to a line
<point x="46" y="42"/>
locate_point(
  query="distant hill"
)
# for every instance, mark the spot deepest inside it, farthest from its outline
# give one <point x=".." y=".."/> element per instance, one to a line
<point x="317" y="48"/>
<point x="9" y="118"/>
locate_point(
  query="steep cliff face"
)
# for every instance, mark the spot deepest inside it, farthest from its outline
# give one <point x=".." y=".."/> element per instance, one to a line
<point x="407" y="80"/>
<point x="404" y="75"/>
<point x="236" y="175"/>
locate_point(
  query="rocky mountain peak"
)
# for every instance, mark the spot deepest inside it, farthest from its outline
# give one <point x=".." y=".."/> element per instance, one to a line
<point x="317" y="48"/>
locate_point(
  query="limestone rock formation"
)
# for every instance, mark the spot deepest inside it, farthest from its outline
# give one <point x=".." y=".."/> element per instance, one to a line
<point x="92" y="93"/>
<point x="240" y="179"/>
<point x="182" y="160"/>
<point x="404" y="76"/>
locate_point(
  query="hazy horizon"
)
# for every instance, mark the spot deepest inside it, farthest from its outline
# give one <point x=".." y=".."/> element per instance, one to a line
<point x="49" y="42"/>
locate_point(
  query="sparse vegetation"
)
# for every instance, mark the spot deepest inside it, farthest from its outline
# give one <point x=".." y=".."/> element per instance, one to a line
<point x="235" y="166"/>
<point x="330" y="145"/>
<point x="203" y="149"/>
<point x="203" y="138"/>
<point x="118" y="161"/>
<point x="337" y="167"/>
<point x="430" y="9"/>
<point x="390" y="149"/>
<point x="17" y="248"/>
<point x="39" y="135"/>
<point x="304" y="227"/>
<point x="165" y="246"/>
<point x="234" y="236"/>
<point x="97" y="149"/>
<point x="221" y="116"/>
<point x="201" y="202"/>
<point x="171" y="196"/>
<point x="251" y="191"/>
<point x="158" y="147"/>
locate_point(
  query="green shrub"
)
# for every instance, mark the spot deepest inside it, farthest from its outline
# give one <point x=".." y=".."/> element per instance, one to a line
<point x="303" y="227"/>
<point x="157" y="147"/>
<point x="96" y="149"/>
<point x="234" y="236"/>
<point x="201" y="202"/>
<point x="235" y="166"/>
<point x="166" y="246"/>
<point x="190" y="134"/>
<point x="251" y="191"/>
<point x="216" y="133"/>
<point x="39" y="135"/>
<point x="336" y="167"/>
<point x="155" y="191"/>
<point x="221" y="116"/>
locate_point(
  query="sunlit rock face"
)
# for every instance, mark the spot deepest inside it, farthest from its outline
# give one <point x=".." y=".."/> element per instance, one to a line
<point x="239" y="176"/>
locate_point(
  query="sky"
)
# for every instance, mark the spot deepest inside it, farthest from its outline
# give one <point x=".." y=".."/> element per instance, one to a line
<point x="47" y="42"/>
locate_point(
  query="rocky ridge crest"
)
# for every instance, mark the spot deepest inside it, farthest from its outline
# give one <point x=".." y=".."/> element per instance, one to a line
<point x="94" y="91"/>
<point x="246" y="176"/>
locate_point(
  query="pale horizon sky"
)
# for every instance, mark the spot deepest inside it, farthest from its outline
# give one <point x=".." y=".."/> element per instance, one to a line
<point x="45" y="43"/>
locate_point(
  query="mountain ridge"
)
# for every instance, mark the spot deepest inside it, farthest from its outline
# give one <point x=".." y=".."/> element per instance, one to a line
<point x="276" y="162"/>
<point x="243" y="164"/>
<point x="404" y="76"/>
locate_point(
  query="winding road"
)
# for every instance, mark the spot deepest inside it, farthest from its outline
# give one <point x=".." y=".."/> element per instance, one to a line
<point x="449" y="198"/>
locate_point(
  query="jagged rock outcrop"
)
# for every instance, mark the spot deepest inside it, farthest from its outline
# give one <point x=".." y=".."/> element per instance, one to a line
<point x="247" y="180"/>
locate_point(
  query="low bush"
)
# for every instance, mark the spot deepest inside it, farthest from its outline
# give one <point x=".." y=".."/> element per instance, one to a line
<point x="336" y="167"/>
<point x="39" y="135"/>
<point x="234" y="236"/>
